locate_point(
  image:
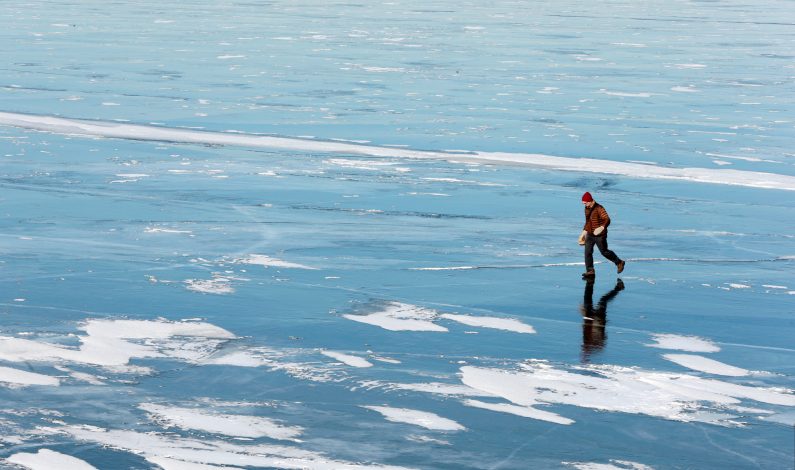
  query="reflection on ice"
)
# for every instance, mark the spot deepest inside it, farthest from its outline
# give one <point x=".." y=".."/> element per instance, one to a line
<point x="594" y="334"/>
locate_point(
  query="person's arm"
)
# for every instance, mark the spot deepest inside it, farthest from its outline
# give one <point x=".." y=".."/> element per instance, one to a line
<point x="604" y="219"/>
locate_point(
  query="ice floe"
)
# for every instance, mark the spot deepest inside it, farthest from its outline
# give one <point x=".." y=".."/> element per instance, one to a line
<point x="218" y="423"/>
<point x="424" y="419"/>
<point x="46" y="459"/>
<point x="683" y="343"/>
<point x="142" y="132"/>
<point x="705" y="364"/>
<point x="508" y="324"/>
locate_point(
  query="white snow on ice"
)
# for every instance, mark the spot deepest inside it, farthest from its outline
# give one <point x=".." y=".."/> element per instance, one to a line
<point x="683" y="343"/>
<point x="418" y="418"/>
<point x="398" y="316"/>
<point x="113" y="343"/>
<point x="678" y="397"/>
<point x="142" y="132"/>
<point x="615" y="465"/>
<point x="523" y="411"/>
<point x="704" y="364"/>
<point x="156" y="446"/>
<point x="353" y="361"/>
<point x="21" y="378"/>
<point x="46" y="459"/>
<point x="508" y="324"/>
<point x="263" y="260"/>
<point x="217" y="423"/>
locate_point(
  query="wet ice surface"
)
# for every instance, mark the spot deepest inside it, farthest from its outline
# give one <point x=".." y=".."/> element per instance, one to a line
<point x="337" y="302"/>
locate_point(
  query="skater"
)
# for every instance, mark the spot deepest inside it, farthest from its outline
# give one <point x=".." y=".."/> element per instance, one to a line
<point x="594" y="232"/>
<point x="594" y="334"/>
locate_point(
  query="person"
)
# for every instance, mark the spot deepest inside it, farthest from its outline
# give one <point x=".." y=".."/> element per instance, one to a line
<point x="594" y="232"/>
<point x="594" y="334"/>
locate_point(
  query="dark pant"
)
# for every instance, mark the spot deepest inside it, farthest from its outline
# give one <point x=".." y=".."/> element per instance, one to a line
<point x="601" y="242"/>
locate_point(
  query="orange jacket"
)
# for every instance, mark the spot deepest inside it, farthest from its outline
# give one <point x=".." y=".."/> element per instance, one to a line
<point x="596" y="217"/>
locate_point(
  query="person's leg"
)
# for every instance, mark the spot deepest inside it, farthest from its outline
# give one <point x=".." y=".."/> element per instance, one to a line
<point x="589" y="242"/>
<point x="601" y="243"/>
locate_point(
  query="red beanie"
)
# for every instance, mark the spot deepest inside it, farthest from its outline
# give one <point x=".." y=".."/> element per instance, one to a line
<point x="587" y="197"/>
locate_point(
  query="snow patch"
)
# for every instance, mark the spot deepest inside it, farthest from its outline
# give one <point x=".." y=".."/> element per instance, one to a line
<point x="155" y="447"/>
<point x="398" y="316"/>
<point x="683" y="343"/>
<point x="508" y="324"/>
<point x="263" y="260"/>
<point x="704" y="364"/>
<point x="347" y="359"/>
<point x="46" y="459"/>
<point x="677" y="397"/>
<point x="20" y="378"/>
<point x="217" y="423"/>
<point x="418" y="418"/>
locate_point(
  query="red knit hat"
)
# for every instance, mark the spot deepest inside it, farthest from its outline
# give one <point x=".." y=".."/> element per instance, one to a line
<point x="587" y="197"/>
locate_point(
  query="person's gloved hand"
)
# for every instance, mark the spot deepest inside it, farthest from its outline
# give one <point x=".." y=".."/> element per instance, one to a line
<point x="599" y="230"/>
<point x="581" y="240"/>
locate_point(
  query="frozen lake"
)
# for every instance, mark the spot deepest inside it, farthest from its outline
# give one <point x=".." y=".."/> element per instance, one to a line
<point x="337" y="235"/>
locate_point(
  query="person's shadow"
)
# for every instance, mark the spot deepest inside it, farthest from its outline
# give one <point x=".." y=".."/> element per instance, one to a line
<point x="594" y="334"/>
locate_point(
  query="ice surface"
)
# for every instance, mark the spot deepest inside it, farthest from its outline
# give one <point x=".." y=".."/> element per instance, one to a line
<point x="199" y="198"/>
